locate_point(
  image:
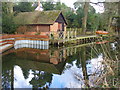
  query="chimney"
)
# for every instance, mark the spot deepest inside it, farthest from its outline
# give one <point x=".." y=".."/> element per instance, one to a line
<point x="39" y="7"/>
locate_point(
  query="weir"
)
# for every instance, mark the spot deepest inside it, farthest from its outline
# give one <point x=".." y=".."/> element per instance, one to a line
<point x="22" y="41"/>
<point x="31" y="44"/>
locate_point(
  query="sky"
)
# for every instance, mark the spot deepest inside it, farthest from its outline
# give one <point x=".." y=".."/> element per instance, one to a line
<point x="70" y="4"/>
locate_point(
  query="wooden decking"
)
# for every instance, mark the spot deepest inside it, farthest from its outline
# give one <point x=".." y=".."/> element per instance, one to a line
<point x="62" y="37"/>
<point x="77" y="39"/>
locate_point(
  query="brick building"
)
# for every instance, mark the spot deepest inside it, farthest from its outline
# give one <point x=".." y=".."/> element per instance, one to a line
<point x="40" y="22"/>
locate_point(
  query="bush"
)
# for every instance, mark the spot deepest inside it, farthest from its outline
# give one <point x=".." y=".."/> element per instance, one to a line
<point x="8" y="25"/>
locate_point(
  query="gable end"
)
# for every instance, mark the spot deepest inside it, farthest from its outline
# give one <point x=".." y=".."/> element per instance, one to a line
<point x="61" y="19"/>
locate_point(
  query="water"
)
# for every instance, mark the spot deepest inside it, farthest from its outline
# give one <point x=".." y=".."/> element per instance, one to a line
<point x="80" y="66"/>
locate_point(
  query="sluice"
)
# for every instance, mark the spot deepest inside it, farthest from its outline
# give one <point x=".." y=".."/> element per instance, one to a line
<point x="31" y="44"/>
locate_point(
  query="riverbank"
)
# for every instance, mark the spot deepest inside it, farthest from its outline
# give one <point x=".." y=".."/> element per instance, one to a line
<point x="43" y="42"/>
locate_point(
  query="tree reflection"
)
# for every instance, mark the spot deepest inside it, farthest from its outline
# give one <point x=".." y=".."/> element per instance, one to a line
<point x="25" y="72"/>
<point x="7" y="73"/>
<point x="6" y="79"/>
<point x="41" y="79"/>
<point x="83" y="65"/>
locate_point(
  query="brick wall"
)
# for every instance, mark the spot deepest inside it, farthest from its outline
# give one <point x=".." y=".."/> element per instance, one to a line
<point x="54" y="27"/>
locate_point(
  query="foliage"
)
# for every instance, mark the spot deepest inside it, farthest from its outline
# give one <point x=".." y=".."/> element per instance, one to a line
<point x="47" y="6"/>
<point x="40" y="79"/>
<point x="61" y="6"/>
<point x="58" y="6"/>
<point x="93" y="21"/>
<point x="24" y="7"/>
<point x="71" y="17"/>
<point x="7" y="7"/>
<point x="79" y="16"/>
<point x="111" y="9"/>
<point x="8" y="25"/>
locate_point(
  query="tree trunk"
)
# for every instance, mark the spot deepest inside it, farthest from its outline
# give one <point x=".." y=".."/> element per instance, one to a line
<point x="10" y="7"/>
<point x="84" y="68"/>
<point x="109" y="25"/>
<point x="84" y="21"/>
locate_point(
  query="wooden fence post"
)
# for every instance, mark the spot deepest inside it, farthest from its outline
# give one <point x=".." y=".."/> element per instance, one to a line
<point x="75" y="34"/>
<point x="71" y="34"/>
<point x="68" y="34"/>
<point x="64" y="34"/>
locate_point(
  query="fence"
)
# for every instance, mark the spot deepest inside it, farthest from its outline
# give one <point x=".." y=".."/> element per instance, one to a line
<point x="69" y="34"/>
<point x="80" y="32"/>
<point x="62" y="35"/>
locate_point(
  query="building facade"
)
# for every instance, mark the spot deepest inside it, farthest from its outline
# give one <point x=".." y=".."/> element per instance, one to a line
<point x="40" y="22"/>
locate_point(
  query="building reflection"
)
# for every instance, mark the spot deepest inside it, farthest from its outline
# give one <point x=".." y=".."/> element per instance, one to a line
<point x="42" y="63"/>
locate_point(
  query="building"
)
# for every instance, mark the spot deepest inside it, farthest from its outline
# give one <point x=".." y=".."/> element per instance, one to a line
<point x="40" y="22"/>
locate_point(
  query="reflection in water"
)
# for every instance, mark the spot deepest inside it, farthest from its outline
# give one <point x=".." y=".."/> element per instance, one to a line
<point x="20" y="80"/>
<point x="68" y="67"/>
<point x="75" y="76"/>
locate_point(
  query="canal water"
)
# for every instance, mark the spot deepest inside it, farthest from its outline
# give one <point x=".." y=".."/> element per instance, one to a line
<point x="78" y="66"/>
